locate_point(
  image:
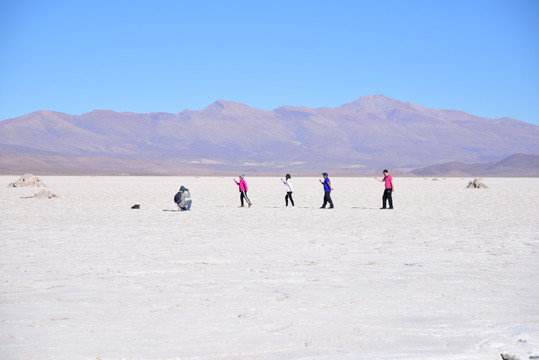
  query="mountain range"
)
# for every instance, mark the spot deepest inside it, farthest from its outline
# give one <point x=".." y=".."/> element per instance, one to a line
<point x="517" y="165"/>
<point x="369" y="134"/>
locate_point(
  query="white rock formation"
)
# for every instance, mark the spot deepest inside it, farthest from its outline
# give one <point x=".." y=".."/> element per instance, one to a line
<point x="28" y="180"/>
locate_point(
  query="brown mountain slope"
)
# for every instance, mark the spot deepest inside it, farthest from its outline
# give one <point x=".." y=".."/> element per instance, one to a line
<point x="371" y="133"/>
<point x="517" y="165"/>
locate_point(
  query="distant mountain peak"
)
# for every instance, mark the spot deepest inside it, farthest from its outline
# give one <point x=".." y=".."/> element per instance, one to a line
<point x="99" y="112"/>
<point x="224" y="105"/>
<point x="214" y="108"/>
<point x="372" y="102"/>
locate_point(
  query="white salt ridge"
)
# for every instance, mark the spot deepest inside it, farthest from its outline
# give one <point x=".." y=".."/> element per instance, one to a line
<point x="43" y="194"/>
<point x="449" y="274"/>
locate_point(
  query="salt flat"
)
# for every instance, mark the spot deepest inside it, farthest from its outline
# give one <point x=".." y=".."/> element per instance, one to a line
<point x="451" y="273"/>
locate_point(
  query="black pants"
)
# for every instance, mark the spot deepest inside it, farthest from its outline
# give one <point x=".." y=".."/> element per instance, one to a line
<point x="243" y="194"/>
<point x="387" y="197"/>
<point x="289" y="196"/>
<point x="327" y="199"/>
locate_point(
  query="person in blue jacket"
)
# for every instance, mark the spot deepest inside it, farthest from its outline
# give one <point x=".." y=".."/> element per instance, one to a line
<point x="327" y="191"/>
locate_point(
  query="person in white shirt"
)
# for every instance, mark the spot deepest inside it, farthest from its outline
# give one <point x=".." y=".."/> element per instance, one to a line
<point x="289" y="189"/>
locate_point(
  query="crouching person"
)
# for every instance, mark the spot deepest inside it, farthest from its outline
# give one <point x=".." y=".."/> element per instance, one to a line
<point x="181" y="199"/>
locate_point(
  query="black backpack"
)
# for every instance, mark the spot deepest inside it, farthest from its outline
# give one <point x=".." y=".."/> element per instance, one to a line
<point x="177" y="197"/>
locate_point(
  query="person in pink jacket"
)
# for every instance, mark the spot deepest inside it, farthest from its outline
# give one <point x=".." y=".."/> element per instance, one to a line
<point x="389" y="188"/>
<point x="243" y="190"/>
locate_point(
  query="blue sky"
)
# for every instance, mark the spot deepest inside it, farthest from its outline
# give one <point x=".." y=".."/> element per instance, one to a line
<point x="481" y="57"/>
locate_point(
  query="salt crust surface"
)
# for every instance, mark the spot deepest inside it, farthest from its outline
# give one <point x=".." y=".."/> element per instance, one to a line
<point x="451" y="273"/>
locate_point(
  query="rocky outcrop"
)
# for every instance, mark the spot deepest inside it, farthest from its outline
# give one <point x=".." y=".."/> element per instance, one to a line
<point x="28" y="180"/>
<point x="476" y="184"/>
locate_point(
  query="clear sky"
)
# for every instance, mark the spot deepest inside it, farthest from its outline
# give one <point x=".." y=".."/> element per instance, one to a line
<point x="479" y="56"/>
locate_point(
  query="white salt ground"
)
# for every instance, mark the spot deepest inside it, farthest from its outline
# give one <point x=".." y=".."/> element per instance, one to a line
<point x="451" y="273"/>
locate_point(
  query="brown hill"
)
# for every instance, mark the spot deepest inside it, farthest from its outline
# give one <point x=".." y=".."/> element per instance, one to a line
<point x="516" y="165"/>
<point x="373" y="132"/>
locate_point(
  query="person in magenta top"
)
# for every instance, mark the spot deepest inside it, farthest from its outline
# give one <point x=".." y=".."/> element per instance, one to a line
<point x="389" y="188"/>
<point x="243" y="190"/>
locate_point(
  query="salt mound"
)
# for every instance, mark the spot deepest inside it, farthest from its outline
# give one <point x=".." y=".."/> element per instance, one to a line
<point x="28" y="180"/>
<point x="476" y="184"/>
<point x="42" y="195"/>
